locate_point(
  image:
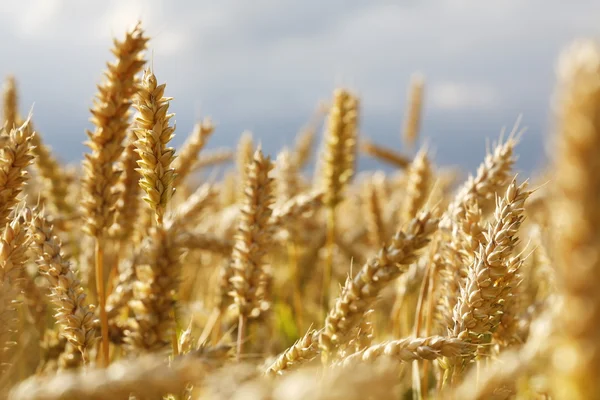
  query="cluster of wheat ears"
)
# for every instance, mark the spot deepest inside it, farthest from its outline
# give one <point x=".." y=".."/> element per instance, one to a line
<point x="133" y="278"/>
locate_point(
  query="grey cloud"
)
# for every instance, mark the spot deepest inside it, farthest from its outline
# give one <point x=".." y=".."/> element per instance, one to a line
<point x="263" y="65"/>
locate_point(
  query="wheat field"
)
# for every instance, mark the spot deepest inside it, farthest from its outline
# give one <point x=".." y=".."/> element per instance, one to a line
<point x="139" y="275"/>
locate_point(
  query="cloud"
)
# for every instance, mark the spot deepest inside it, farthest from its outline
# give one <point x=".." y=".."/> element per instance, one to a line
<point x="264" y="64"/>
<point x="454" y="95"/>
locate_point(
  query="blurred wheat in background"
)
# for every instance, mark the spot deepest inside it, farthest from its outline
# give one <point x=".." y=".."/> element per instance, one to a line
<point x="144" y="275"/>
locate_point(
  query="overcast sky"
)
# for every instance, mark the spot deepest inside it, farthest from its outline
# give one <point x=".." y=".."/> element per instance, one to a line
<point x="264" y="65"/>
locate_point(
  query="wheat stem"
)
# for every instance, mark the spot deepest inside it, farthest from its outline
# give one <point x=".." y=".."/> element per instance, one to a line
<point x="101" y="293"/>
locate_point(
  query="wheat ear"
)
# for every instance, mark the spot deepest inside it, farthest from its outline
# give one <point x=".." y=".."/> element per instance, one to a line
<point x="253" y="237"/>
<point x="360" y="292"/>
<point x="13" y="248"/>
<point x="10" y="103"/>
<point x="74" y="315"/>
<point x="153" y="134"/>
<point x="15" y="157"/>
<point x="576" y="218"/>
<point x="188" y="155"/>
<point x="412" y="119"/>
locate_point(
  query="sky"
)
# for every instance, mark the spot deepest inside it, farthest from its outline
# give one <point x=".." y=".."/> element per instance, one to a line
<point x="264" y="65"/>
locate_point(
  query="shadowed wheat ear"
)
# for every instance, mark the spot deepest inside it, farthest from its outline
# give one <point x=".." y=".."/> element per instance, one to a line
<point x="153" y="134"/>
<point x="359" y="293"/>
<point x="186" y="213"/>
<point x="15" y="157"/>
<point x="157" y="271"/>
<point x="74" y="315"/>
<point x="13" y="248"/>
<point x="55" y="182"/>
<point x="127" y="206"/>
<point x="576" y="220"/>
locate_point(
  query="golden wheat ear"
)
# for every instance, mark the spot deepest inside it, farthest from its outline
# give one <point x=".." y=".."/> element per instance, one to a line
<point x="576" y="237"/>
<point x="153" y="133"/>
<point x="75" y="316"/>
<point x="15" y="157"/>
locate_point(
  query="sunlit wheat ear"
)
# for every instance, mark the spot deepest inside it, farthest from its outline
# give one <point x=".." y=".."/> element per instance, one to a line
<point x="492" y="177"/>
<point x="373" y="214"/>
<point x="212" y="158"/>
<point x="76" y="318"/>
<point x="288" y="176"/>
<point x="412" y="119"/>
<point x="410" y="349"/>
<point x="576" y="218"/>
<point x="361" y="291"/>
<point x="186" y="214"/>
<point x="340" y="146"/>
<point x="110" y="116"/>
<point x="304" y="147"/>
<point x="305" y="349"/>
<point x="244" y="155"/>
<point x="10" y="103"/>
<point x="418" y="185"/>
<point x="15" y="156"/>
<point x="153" y="134"/>
<point x="482" y="299"/>
<point x="305" y="138"/>
<point x="252" y="239"/>
<point x="384" y="154"/>
<point x="188" y="155"/>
